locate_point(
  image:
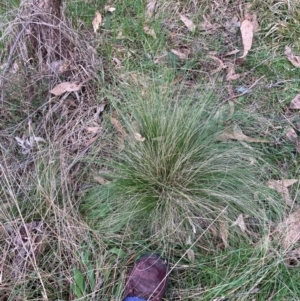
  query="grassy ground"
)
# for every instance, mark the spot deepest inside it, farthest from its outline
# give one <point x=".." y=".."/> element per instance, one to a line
<point x="151" y="157"/>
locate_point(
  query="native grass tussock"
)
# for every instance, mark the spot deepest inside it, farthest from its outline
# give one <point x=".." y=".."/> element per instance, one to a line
<point x="180" y="178"/>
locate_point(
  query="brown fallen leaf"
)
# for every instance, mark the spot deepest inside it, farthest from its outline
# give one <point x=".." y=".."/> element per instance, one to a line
<point x="139" y="137"/>
<point x="110" y="9"/>
<point x="101" y="180"/>
<point x="93" y="129"/>
<point x="237" y="134"/>
<point x="295" y="103"/>
<point x="118" y="126"/>
<point x="181" y="55"/>
<point x="188" y="23"/>
<point x="223" y="226"/>
<point x="149" y="31"/>
<point x="294" y="59"/>
<point x="253" y="19"/>
<point x="292" y="135"/>
<point x="231" y="52"/>
<point x="65" y="87"/>
<point x="191" y="255"/>
<point x="219" y="61"/>
<point x="289" y="230"/>
<point x="247" y="36"/>
<point x="99" y="110"/>
<point x="281" y="186"/>
<point x="240" y="222"/>
<point x="150" y="9"/>
<point x="231" y="75"/>
<point x="97" y="21"/>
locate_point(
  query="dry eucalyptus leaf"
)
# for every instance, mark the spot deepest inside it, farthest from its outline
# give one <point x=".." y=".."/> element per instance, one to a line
<point x="118" y="126"/>
<point x="290" y="230"/>
<point x="224" y="232"/>
<point x="139" y="137"/>
<point x="219" y="61"/>
<point x="149" y="31"/>
<point x="188" y="23"/>
<point x="101" y="180"/>
<point x="237" y="134"/>
<point x="247" y="36"/>
<point x="231" y="52"/>
<point x="241" y="223"/>
<point x="231" y="75"/>
<point x="295" y="103"/>
<point x="294" y="59"/>
<point x="99" y="110"/>
<point x="93" y="129"/>
<point x="65" y="87"/>
<point x="97" y="21"/>
<point x="150" y="9"/>
<point x="181" y="55"/>
<point x="191" y="255"/>
<point x="292" y="135"/>
<point x="281" y="186"/>
<point x="110" y="9"/>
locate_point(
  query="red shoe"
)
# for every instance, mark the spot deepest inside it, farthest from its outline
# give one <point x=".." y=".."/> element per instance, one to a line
<point x="148" y="279"/>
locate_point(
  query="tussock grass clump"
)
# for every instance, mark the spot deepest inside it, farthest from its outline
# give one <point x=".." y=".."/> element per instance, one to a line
<point x="181" y="179"/>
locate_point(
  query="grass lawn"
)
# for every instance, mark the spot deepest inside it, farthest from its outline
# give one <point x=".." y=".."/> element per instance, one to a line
<point x="167" y="141"/>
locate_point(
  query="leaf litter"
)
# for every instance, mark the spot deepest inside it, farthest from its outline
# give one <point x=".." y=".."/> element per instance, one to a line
<point x="295" y="103"/>
<point x="188" y="23"/>
<point x="237" y="134"/>
<point x="247" y="30"/>
<point x="97" y="21"/>
<point x="294" y="59"/>
<point x="281" y="187"/>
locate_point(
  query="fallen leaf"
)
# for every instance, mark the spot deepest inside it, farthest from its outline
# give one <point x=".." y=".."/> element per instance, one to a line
<point x="295" y="103"/>
<point x="65" y="87"/>
<point x="150" y="9"/>
<point x="281" y="186"/>
<point x="149" y="31"/>
<point x="181" y="55"/>
<point x="289" y="230"/>
<point x="241" y="223"/>
<point x="188" y="23"/>
<point x="247" y="36"/>
<point x="231" y="75"/>
<point x="223" y="226"/>
<point x="237" y="134"/>
<point x="231" y="52"/>
<point x="219" y="61"/>
<point x="292" y="135"/>
<point x="139" y="137"/>
<point x="110" y="9"/>
<point x="99" y="110"/>
<point x="101" y="180"/>
<point x="294" y="59"/>
<point x="97" y="21"/>
<point x="93" y="129"/>
<point x="191" y="255"/>
<point x="118" y="126"/>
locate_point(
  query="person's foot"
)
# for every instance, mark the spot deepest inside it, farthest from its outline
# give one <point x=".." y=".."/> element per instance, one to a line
<point x="148" y="279"/>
